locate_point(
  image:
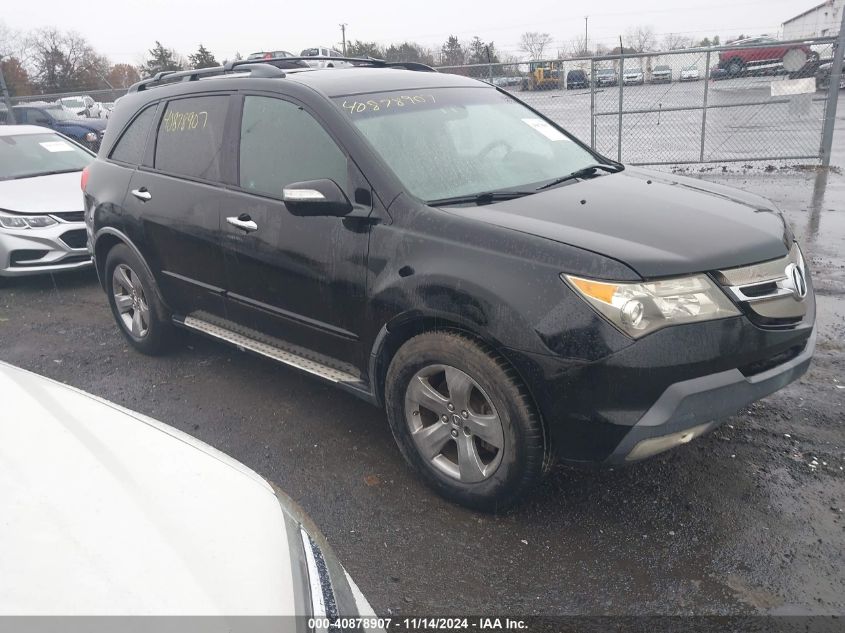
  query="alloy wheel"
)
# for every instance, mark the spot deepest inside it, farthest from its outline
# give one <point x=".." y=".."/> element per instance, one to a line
<point x="454" y="424"/>
<point x="130" y="301"/>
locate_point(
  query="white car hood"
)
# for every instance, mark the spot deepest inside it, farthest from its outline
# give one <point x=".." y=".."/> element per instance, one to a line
<point x="42" y="194"/>
<point x="108" y="512"/>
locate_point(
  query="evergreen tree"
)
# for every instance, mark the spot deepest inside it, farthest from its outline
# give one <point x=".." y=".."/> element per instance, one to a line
<point x="203" y="58"/>
<point x="161" y="59"/>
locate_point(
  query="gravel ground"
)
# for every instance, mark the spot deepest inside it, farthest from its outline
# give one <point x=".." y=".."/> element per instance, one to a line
<point x="749" y="519"/>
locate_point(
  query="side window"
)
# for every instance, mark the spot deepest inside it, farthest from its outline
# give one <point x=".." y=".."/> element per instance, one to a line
<point x="189" y="141"/>
<point x="281" y="144"/>
<point x="130" y="147"/>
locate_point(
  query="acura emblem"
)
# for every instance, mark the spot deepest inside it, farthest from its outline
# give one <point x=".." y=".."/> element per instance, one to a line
<point x="795" y="282"/>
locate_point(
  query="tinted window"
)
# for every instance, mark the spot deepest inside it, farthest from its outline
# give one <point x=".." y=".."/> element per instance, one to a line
<point x="130" y="147"/>
<point x="282" y="144"/>
<point x="190" y="137"/>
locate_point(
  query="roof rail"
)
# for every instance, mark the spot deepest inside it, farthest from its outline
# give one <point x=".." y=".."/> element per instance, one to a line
<point x="262" y="68"/>
<point x="170" y="76"/>
<point x="355" y="61"/>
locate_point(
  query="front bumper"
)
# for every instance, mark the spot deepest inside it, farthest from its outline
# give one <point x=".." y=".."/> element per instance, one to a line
<point x="690" y="408"/>
<point x="57" y="248"/>
<point x="679" y="380"/>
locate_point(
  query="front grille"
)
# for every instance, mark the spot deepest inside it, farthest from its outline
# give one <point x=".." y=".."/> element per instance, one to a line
<point x="26" y="255"/>
<point x="77" y="238"/>
<point x="766" y="291"/>
<point x="70" y="216"/>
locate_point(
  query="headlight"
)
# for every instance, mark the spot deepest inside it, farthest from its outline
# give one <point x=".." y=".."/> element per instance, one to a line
<point x="641" y="308"/>
<point x="26" y="221"/>
<point x="91" y="137"/>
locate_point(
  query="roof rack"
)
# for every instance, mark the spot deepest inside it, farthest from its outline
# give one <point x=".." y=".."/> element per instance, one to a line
<point x="172" y="76"/>
<point x="264" y="69"/>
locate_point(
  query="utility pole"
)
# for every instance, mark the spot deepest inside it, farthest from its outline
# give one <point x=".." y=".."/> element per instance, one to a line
<point x="10" y="114"/>
<point x="343" y="34"/>
<point x="586" y="41"/>
<point x="833" y="94"/>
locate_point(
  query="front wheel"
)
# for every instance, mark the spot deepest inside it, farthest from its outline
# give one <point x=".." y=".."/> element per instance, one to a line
<point x="464" y="422"/>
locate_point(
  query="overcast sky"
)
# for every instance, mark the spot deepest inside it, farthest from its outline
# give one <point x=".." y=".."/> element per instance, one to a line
<point x="123" y="30"/>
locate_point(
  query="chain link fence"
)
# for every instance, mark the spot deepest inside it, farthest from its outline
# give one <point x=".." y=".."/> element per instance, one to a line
<point x="759" y="101"/>
<point x="764" y="100"/>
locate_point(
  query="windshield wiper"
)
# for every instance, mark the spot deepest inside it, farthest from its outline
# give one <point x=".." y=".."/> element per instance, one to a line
<point x="584" y="172"/>
<point x="486" y="197"/>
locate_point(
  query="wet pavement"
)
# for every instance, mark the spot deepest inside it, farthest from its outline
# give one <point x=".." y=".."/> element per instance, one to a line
<point x="748" y="519"/>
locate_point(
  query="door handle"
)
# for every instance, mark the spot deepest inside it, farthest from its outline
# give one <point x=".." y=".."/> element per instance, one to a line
<point x="243" y="221"/>
<point x="142" y="194"/>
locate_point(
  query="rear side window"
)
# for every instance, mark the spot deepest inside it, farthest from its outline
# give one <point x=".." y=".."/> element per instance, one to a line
<point x="190" y="137"/>
<point x="281" y="144"/>
<point x="130" y="147"/>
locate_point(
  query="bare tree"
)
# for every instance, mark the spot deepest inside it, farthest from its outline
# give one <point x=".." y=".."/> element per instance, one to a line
<point x="64" y="61"/>
<point x="534" y="43"/>
<point x="674" y="42"/>
<point x="640" y="38"/>
<point x="578" y="47"/>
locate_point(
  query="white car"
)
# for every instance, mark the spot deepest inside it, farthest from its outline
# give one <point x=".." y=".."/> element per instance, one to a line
<point x="42" y="223"/>
<point x="631" y="77"/>
<point x="82" y="106"/>
<point x="108" y="512"/>
<point x="690" y="74"/>
<point x="324" y="51"/>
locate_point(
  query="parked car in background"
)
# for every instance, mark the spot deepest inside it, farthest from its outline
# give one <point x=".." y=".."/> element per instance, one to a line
<point x="606" y="77"/>
<point x="323" y="51"/>
<point x="83" y="106"/>
<point x="577" y="79"/>
<point x="633" y="77"/>
<point x="110" y="512"/>
<point x="467" y="288"/>
<point x="280" y="59"/>
<point x="690" y="73"/>
<point x="42" y="224"/>
<point x="746" y="54"/>
<point x="87" y="132"/>
<point x="823" y="77"/>
<point x="717" y="73"/>
<point x="661" y="74"/>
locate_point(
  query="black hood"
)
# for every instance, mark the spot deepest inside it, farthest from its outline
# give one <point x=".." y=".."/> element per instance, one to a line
<point x="658" y="224"/>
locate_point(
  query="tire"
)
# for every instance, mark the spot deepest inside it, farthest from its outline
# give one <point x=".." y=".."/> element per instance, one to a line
<point x="151" y="331"/>
<point x="465" y="468"/>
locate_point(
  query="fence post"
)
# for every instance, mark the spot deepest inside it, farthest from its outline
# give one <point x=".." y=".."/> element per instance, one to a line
<point x="593" y="102"/>
<point x="621" y="80"/>
<point x="10" y="114"/>
<point x="833" y="95"/>
<point x="704" y="111"/>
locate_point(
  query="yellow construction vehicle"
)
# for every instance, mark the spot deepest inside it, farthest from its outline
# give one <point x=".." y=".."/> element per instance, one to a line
<point x="543" y="76"/>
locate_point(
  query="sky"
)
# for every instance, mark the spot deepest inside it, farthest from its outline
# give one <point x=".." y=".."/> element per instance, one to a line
<point x="124" y="30"/>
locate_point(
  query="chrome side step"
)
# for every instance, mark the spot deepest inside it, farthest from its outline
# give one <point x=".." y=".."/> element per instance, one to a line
<point x="246" y="339"/>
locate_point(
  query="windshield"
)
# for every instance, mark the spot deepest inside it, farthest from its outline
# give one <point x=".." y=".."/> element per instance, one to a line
<point x="73" y="103"/>
<point x="448" y="142"/>
<point x="28" y="155"/>
<point x="606" y="71"/>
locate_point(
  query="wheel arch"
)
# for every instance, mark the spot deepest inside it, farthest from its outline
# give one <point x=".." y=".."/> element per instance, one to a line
<point x="104" y="241"/>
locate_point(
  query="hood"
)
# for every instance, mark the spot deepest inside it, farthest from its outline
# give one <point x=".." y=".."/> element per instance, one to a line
<point x="658" y="224"/>
<point x="42" y="194"/>
<point x="96" y="125"/>
<point x="109" y="512"/>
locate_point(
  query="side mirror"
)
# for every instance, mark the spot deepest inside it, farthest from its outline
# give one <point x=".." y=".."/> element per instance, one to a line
<point x="316" y="197"/>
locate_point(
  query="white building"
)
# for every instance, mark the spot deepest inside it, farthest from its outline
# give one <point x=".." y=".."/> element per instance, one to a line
<point x="820" y="21"/>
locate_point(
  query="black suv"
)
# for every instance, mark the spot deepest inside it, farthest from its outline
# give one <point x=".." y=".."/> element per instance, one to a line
<point x="435" y="246"/>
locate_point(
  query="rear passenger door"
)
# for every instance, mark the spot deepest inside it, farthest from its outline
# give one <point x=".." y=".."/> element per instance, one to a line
<point x="176" y="197"/>
<point x="300" y="279"/>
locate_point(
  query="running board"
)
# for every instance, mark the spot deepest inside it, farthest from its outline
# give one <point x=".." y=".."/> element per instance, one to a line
<point x="249" y="341"/>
